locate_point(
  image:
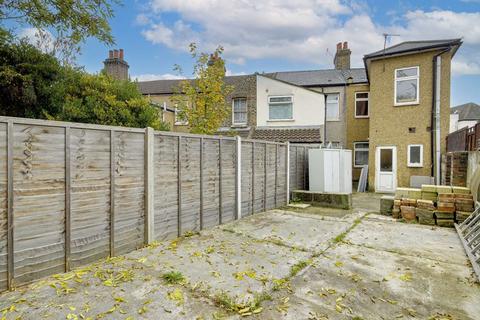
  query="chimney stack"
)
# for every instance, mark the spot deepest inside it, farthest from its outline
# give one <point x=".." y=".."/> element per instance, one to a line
<point x="115" y="65"/>
<point x="342" y="56"/>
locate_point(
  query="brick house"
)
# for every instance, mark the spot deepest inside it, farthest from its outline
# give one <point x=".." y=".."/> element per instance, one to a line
<point x="393" y="114"/>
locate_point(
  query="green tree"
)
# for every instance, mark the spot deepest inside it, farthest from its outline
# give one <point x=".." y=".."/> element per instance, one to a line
<point x="71" y="21"/>
<point x="28" y="80"/>
<point x="101" y="99"/>
<point x="202" y="101"/>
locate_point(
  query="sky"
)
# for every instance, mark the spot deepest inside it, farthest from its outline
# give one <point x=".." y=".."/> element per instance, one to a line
<point x="282" y="35"/>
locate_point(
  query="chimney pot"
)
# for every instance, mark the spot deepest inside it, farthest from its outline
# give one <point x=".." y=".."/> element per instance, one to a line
<point x="339" y="46"/>
<point x="110" y="54"/>
<point x="345" y="45"/>
<point x="121" y="54"/>
<point x="115" y="54"/>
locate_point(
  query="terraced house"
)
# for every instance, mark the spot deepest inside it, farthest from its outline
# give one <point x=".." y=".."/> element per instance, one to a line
<point x="393" y="113"/>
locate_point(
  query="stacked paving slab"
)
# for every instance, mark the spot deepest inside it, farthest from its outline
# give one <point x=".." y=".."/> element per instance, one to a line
<point x="433" y="205"/>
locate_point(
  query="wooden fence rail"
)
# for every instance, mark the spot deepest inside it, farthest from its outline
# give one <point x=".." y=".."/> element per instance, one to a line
<point x="71" y="194"/>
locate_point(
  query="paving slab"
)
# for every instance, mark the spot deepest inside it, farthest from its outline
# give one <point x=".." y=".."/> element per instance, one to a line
<point x="304" y="231"/>
<point x="351" y="281"/>
<point x="437" y="243"/>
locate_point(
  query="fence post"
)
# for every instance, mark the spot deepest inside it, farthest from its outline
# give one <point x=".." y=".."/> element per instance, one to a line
<point x="305" y="159"/>
<point x="253" y="177"/>
<point x="10" y="224"/>
<point x="265" y="178"/>
<point x="149" y="186"/>
<point x="276" y="173"/>
<point x="220" y="195"/>
<point x="238" y="178"/>
<point x="287" y="170"/>
<point x="179" y="186"/>
<point x="201" y="183"/>
<point x="68" y="198"/>
<point x="112" y="193"/>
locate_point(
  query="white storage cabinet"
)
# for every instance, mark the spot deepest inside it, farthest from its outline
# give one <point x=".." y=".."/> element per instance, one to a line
<point x="330" y="170"/>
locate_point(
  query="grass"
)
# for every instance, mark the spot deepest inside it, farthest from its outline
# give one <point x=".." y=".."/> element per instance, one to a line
<point x="173" y="277"/>
<point x="299" y="266"/>
<point x="341" y="237"/>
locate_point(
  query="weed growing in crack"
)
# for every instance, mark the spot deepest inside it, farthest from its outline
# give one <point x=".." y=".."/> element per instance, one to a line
<point x="173" y="277"/>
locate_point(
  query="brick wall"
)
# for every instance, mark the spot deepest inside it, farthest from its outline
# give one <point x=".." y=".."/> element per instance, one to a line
<point x="455" y="166"/>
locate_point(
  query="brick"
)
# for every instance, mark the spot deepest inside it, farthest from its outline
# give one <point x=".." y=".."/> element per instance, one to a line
<point x="415" y="193"/>
<point x="460" y="216"/>
<point x="429" y="188"/>
<point x="464" y="207"/>
<point x="397" y="202"/>
<point x="426" y="221"/>
<point x="424" y="214"/>
<point x="444" y="215"/>
<point x="401" y="193"/>
<point x="444" y="189"/>
<point x="425" y="204"/>
<point x="409" y="202"/>
<point x="463" y="196"/>
<point x="445" y="223"/>
<point x="429" y="195"/>
<point x="408" y="212"/>
<point x="461" y="190"/>
<point x="463" y="201"/>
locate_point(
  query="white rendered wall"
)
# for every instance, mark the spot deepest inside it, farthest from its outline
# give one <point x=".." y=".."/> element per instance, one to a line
<point x="308" y="106"/>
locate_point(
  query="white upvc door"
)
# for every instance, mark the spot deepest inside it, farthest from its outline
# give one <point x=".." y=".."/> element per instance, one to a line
<point x="386" y="169"/>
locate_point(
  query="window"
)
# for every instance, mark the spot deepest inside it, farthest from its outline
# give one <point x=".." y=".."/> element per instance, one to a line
<point x="280" y="108"/>
<point x="333" y="111"/>
<point x="415" y="155"/>
<point x="361" y="104"/>
<point x="360" y="154"/>
<point x="179" y="121"/>
<point x="239" y="111"/>
<point x="406" y="86"/>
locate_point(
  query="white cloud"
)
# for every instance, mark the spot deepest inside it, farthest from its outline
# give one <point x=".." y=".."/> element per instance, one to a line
<point x="151" y="77"/>
<point x="304" y="30"/>
<point x="232" y="73"/>
<point x="43" y="40"/>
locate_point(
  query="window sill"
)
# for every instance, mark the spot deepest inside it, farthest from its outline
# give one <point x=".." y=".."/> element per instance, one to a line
<point x="281" y="120"/>
<point x="359" y="167"/>
<point x="239" y="125"/>
<point x="362" y="117"/>
<point x="411" y="104"/>
<point x="333" y="120"/>
<point x="415" y="165"/>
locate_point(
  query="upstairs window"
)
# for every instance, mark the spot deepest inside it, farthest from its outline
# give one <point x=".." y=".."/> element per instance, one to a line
<point x="361" y="105"/>
<point x="415" y="155"/>
<point x="333" y="107"/>
<point x="360" y="154"/>
<point x="239" y="111"/>
<point x="280" y="108"/>
<point x="406" y="86"/>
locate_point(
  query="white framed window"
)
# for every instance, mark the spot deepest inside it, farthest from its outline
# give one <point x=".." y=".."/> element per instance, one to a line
<point x="415" y="155"/>
<point x="333" y="107"/>
<point x="407" y="86"/>
<point x="361" y="104"/>
<point x="360" y="154"/>
<point x="239" y="111"/>
<point x="280" y="108"/>
<point x="179" y="121"/>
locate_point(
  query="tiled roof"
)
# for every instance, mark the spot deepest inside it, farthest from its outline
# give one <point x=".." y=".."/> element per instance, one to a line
<point x="467" y="111"/>
<point x="411" y="46"/>
<point x="310" y="135"/>
<point x="327" y="77"/>
<point x="169" y="86"/>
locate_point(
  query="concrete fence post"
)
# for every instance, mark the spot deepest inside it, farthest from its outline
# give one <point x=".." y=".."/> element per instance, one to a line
<point x="149" y="186"/>
<point x="238" y="178"/>
<point x="287" y="170"/>
<point x="10" y="223"/>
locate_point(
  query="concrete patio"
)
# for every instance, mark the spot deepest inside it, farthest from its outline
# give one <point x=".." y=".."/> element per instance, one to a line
<point x="309" y="263"/>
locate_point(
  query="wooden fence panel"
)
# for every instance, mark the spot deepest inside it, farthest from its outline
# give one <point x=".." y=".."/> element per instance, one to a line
<point x="90" y="195"/>
<point x="211" y="212"/>
<point x="3" y="207"/>
<point x="39" y="186"/>
<point x="190" y="169"/>
<point x="129" y="191"/>
<point x="166" y="187"/>
<point x="259" y="179"/>
<point x="281" y="197"/>
<point x="228" y="180"/>
<point x="246" y="176"/>
<point x="270" y="178"/>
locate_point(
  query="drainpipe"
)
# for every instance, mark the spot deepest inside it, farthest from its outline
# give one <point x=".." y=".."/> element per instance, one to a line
<point x="435" y="116"/>
<point x="325" y="121"/>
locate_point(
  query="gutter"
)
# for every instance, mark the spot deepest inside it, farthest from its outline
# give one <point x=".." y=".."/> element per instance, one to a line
<point x="435" y="134"/>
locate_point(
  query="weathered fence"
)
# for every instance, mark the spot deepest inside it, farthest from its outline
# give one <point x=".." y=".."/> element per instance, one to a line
<point x="71" y="194"/>
<point x="465" y="139"/>
<point x="299" y="165"/>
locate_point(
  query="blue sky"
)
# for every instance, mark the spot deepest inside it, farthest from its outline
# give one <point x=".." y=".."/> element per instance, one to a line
<point x="286" y="35"/>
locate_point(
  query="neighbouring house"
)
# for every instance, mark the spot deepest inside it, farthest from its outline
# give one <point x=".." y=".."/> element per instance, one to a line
<point x="464" y="116"/>
<point x="393" y="114"/>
